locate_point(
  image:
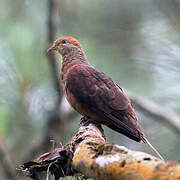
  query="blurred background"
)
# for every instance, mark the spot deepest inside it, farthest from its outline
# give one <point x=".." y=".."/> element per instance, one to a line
<point x="136" y="42"/>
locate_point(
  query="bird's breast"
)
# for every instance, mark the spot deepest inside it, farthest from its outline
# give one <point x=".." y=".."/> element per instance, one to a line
<point x="81" y="108"/>
<point x="67" y="69"/>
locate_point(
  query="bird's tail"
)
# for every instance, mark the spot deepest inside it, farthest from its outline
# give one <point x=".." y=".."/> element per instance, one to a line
<point x="152" y="147"/>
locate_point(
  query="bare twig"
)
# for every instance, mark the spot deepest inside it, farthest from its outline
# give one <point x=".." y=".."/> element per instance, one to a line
<point x="57" y="117"/>
<point x="51" y="37"/>
<point x="53" y="124"/>
<point x="53" y="128"/>
<point x="153" y="110"/>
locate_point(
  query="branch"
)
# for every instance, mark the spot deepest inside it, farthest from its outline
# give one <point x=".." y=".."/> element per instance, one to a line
<point x="154" y="110"/>
<point x="89" y="154"/>
<point x="55" y="123"/>
<point x="51" y="26"/>
<point x="54" y="127"/>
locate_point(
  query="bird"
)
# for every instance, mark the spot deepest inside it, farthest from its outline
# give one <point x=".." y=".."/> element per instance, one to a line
<point x="94" y="94"/>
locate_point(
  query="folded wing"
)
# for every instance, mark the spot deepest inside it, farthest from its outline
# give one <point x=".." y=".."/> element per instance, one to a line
<point x="101" y="95"/>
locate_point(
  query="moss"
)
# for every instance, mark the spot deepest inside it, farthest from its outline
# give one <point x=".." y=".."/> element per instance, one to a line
<point x="126" y="168"/>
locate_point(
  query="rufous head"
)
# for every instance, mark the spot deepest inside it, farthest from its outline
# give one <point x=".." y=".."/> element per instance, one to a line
<point x="64" y="45"/>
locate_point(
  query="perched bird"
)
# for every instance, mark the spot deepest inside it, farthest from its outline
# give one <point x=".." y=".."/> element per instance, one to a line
<point x="94" y="94"/>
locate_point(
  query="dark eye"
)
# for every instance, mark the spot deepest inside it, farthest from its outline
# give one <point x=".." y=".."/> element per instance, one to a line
<point x="63" y="41"/>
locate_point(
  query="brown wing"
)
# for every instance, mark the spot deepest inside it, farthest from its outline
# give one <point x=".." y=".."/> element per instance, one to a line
<point x="101" y="95"/>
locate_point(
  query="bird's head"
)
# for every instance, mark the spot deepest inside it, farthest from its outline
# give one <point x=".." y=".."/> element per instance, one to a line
<point x="64" y="45"/>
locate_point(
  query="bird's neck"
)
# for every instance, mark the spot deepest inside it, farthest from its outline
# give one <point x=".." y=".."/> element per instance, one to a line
<point x="70" y="59"/>
<point x="75" y="54"/>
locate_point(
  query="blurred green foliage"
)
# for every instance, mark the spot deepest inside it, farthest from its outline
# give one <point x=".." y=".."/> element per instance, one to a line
<point x="137" y="43"/>
<point x="3" y="122"/>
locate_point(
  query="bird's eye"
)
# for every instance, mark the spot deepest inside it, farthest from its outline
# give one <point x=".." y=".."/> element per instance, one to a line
<point x="63" y="41"/>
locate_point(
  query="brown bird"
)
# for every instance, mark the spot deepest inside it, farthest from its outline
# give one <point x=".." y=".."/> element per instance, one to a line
<point x="94" y="94"/>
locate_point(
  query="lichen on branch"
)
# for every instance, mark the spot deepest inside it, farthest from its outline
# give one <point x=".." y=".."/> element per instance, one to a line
<point x="89" y="154"/>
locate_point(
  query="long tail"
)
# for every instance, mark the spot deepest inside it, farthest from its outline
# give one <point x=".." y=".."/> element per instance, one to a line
<point x="152" y="147"/>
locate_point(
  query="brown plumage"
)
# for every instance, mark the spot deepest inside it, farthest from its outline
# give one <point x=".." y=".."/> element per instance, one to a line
<point x="94" y="94"/>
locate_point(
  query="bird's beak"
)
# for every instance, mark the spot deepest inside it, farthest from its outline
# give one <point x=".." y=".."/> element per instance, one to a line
<point x="52" y="48"/>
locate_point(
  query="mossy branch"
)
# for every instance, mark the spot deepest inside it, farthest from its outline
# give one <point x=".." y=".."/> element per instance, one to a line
<point x="89" y="154"/>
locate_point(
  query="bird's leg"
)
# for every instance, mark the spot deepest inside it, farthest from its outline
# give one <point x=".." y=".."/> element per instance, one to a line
<point x="86" y="120"/>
